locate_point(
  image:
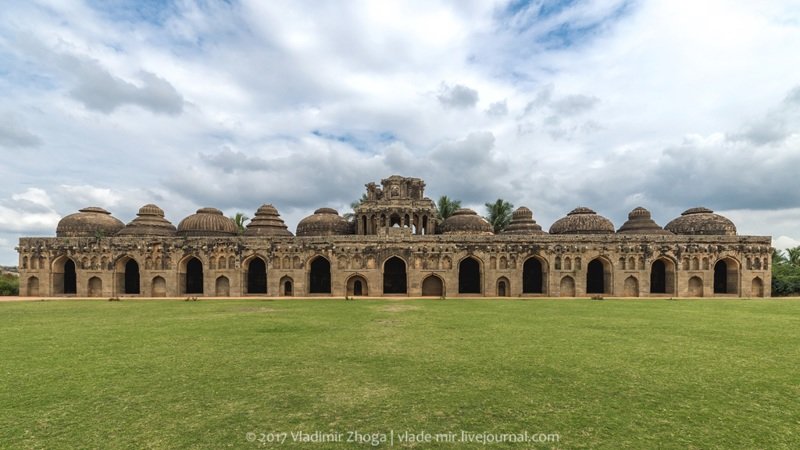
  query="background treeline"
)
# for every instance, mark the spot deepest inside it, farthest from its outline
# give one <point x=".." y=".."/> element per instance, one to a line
<point x="786" y="272"/>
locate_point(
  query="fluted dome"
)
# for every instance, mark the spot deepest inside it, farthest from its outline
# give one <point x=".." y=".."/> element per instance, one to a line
<point x="324" y="222"/>
<point x="582" y="220"/>
<point x="89" y="222"/>
<point x="522" y="223"/>
<point x="207" y="222"/>
<point x="466" y="221"/>
<point x="267" y="222"/>
<point x="149" y="221"/>
<point x="640" y="222"/>
<point x="701" y="221"/>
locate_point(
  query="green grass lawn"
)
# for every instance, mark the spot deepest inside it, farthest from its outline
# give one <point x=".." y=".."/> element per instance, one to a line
<point x="609" y="374"/>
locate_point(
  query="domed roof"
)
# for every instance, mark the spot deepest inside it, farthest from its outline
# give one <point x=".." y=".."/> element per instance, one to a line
<point x="701" y="221"/>
<point x="150" y="221"/>
<point x="466" y="221"/>
<point x="89" y="222"/>
<point x="207" y="222"/>
<point x="522" y="223"/>
<point x="640" y="222"/>
<point x="267" y="222"/>
<point x="324" y="222"/>
<point x="582" y="220"/>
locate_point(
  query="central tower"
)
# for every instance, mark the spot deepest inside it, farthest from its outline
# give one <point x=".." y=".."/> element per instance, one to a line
<point x="399" y="203"/>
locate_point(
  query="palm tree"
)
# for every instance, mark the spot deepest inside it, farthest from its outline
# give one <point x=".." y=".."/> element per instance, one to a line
<point x="499" y="214"/>
<point x="445" y="207"/>
<point x="351" y="216"/>
<point x="240" y="218"/>
<point x="793" y="256"/>
<point x="778" y="257"/>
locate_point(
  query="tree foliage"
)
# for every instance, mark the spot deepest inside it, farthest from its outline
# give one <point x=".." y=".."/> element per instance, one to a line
<point x="351" y="216"/>
<point x="240" y="218"/>
<point x="499" y="214"/>
<point x="9" y="285"/>
<point x="786" y="272"/>
<point x="446" y="206"/>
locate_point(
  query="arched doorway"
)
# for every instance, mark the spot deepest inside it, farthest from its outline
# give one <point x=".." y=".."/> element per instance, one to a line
<point x="432" y="286"/>
<point x="503" y="287"/>
<point x="357" y="286"/>
<point x="64" y="277"/>
<point x="394" y="276"/>
<point x="597" y="278"/>
<point x="532" y="277"/>
<point x="131" y="281"/>
<point x="223" y="287"/>
<point x="757" y="287"/>
<point x="658" y="277"/>
<point x="567" y="287"/>
<point x="159" y="287"/>
<point x="194" y="276"/>
<point x="320" y="276"/>
<point x="95" y="287"/>
<point x="286" y="286"/>
<point x="33" y="286"/>
<point x="257" y="276"/>
<point x="695" y="287"/>
<point x="631" y="287"/>
<point x="726" y="277"/>
<point x="469" y="276"/>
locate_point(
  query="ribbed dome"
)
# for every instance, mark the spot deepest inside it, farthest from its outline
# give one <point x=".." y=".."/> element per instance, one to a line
<point x="89" y="222"/>
<point x="701" y="221"/>
<point x="582" y="220"/>
<point x="522" y="223"/>
<point x="207" y="222"/>
<point x="150" y="221"/>
<point x="267" y="222"/>
<point x="324" y="222"/>
<point x="640" y="222"/>
<point x="466" y="221"/>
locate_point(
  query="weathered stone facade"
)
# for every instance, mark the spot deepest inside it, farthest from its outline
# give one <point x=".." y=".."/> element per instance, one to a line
<point x="391" y="247"/>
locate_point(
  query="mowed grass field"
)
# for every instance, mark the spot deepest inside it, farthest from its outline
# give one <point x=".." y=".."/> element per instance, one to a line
<point x="600" y="374"/>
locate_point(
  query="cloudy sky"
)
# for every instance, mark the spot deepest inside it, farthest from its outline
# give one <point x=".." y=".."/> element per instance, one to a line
<point x="609" y="104"/>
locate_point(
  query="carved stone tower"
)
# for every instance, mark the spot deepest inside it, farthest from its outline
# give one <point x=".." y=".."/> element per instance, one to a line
<point x="399" y="206"/>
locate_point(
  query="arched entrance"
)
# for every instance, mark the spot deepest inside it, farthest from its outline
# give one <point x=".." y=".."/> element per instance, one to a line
<point x="469" y="276"/>
<point x="131" y="280"/>
<point x="432" y="286"/>
<point x="357" y="286"/>
<point x="286" y="286"/>
<point x="658" y="277"/>
<point x="394" y="276"/>
<point x="95" y="287"/>
<point x="597" y="277"/>
<point x="695" y="287"/>
<point x="532" y="277"/>
<point x="64" y="277"/>
<point x="567" y="287"/>
<point x="257" y="276"/>
<point x="159" y="287"/>
<point x="319" y="278"/>
<point x="757" y="287"/>
<point x="33" y="286"/>
<point x="631" y="287"/>
<point x="223" y="287"/>
<point x="503" y="287"/>
<point x="194" y="276"/>
<point x="726" y="277"/>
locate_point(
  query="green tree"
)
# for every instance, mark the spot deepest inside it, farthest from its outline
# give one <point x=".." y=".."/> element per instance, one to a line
<point x="446" y="206"/>
<point x="778" y="257"/>
<point x="793" y="256"/>
<point x="9" y="284"/>
<point x="240" y="219"/>
<point x="499" y="214"/>
<point x="351" y="216"/>
<point x="786" y="272"/>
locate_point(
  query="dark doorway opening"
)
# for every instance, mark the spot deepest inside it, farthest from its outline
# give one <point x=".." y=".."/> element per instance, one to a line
<point x="194" y="276"/>
<point x="658" y="278"/>
<point x="357" y="288"/>
<point x="394" y="276"/>
<point x="320" y="276"/>
<point x="595" y="277"/>
<point x="70" y="279"/>
<point x="131" y="277"/>
<point x="257" y="276"/>
<point x="532" y="277"/>
<point x="721" y="278"/>
<point x="469" y="276"/>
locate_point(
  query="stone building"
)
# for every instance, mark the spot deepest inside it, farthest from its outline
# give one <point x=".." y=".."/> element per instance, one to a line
<point x="394" y="246"/>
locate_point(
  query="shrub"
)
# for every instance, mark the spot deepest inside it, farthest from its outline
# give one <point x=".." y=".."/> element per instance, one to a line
<point x="9" y="285"/>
